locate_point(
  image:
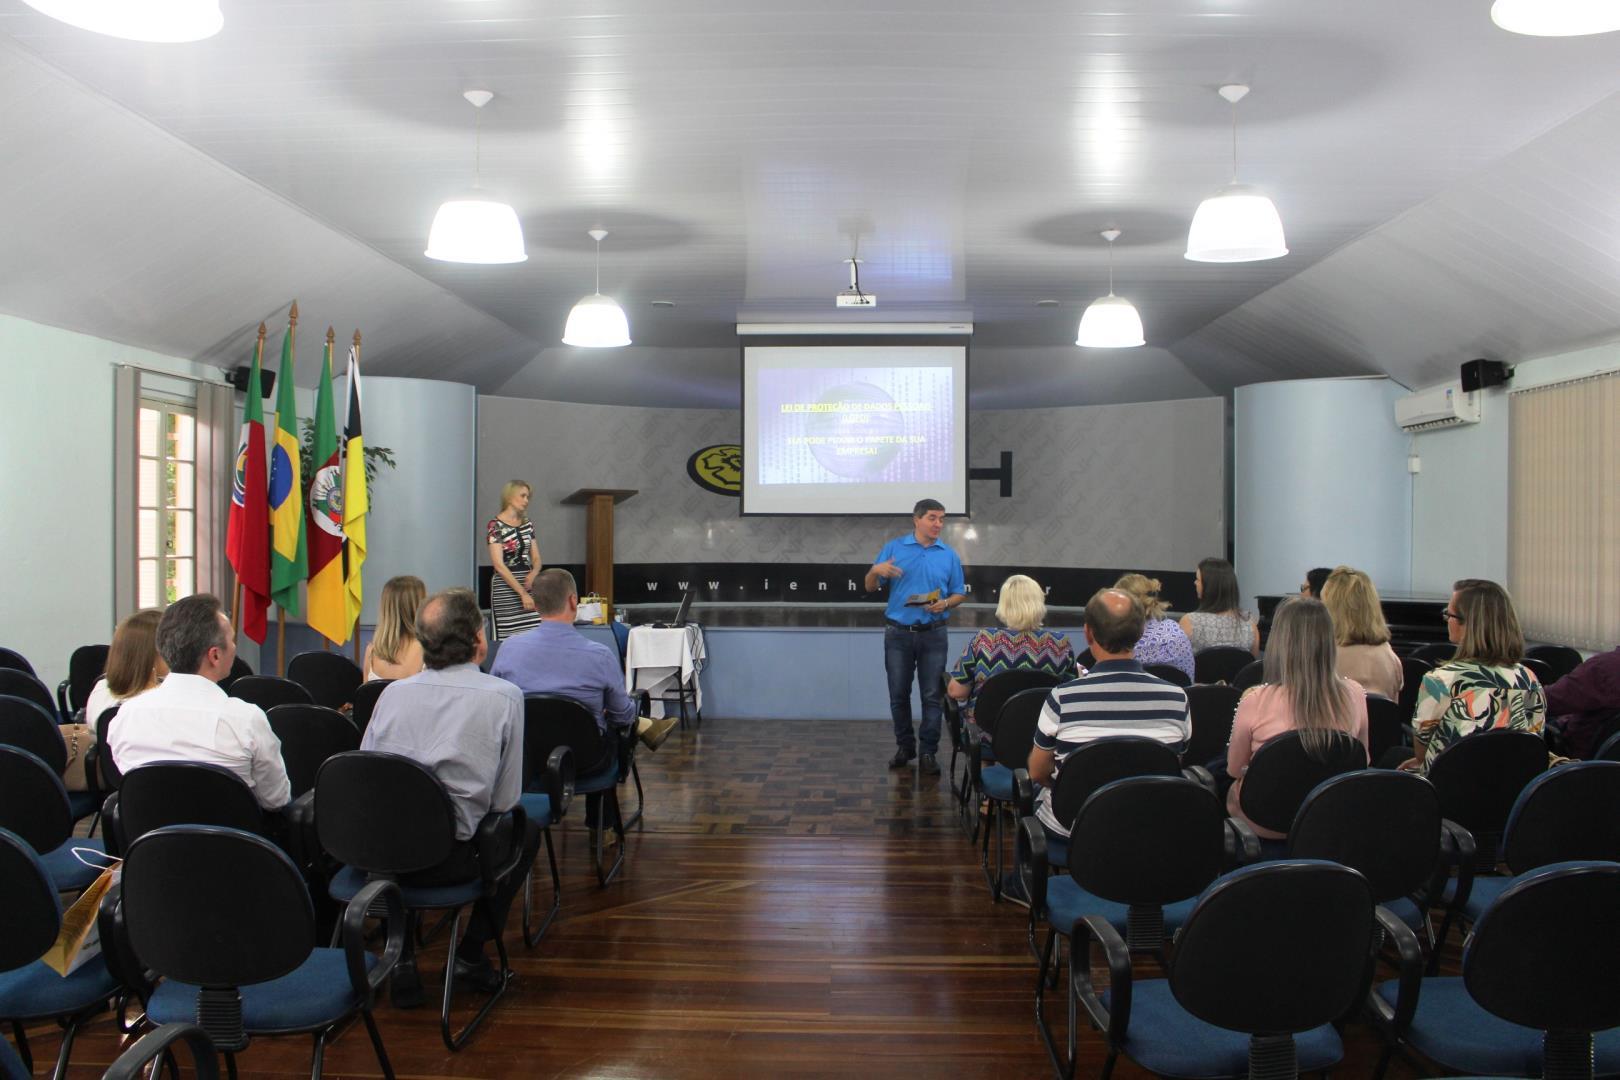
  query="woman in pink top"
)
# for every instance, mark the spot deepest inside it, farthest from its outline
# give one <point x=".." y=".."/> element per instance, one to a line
<point x="1301" y="693"/>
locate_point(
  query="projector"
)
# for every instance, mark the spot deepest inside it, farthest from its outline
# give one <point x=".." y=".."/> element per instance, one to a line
<point x="854" y="298"/>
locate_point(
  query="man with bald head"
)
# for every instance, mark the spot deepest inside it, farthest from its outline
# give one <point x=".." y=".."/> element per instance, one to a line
<point x="1116" y="697"/>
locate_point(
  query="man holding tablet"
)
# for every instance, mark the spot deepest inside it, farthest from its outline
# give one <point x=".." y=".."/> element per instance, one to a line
<point x="924" y="579"/>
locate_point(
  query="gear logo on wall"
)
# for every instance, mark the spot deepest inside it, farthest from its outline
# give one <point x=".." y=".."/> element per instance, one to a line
<point x="717" y="469"/>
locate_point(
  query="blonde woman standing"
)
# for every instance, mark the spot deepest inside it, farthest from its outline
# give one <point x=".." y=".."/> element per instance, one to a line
<point x="1022" y="646"/>
<point x="1363" y="635"/>
<point x="515" y="556"/>
<point x="394" y="652"/>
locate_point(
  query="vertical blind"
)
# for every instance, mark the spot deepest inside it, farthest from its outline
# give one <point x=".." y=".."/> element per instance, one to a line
<point x="1564" y="510"/>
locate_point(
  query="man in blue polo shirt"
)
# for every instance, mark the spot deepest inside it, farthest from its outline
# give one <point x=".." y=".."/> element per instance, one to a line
<point x="914" y="642"/>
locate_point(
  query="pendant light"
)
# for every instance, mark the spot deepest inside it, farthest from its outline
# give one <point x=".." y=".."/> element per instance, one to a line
<point x="1111" y="322"/>
<point x="596" y="321"/>
<point x="1237" y="223"/>
<point x="1556" y="18"/>
<point x="138" y="20"/>
<point x="473" y="229"/>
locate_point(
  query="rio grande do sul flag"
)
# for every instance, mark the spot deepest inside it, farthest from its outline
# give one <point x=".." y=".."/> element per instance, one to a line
<point x="326" y="592"/>
<point x="356" y="501"/>
<point x="288" y="559"/>
<point x="247" y="535"/>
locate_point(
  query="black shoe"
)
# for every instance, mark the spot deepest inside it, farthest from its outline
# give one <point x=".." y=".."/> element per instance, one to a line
<point x="929" y="765"/>
<point x="901" y="759"/>
<point x="477" y="974"/>
<point x="405" y="986"/>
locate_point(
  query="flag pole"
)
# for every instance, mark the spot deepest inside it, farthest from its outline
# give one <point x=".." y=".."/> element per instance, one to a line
<point x="355" y="632"/>
<point x="281" y="612"/>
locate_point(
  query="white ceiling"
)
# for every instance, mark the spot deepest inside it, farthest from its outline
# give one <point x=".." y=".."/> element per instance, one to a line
<point x="171" y="196"/>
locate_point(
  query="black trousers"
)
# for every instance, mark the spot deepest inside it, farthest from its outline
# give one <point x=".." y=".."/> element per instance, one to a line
<point x="462" y="865"/>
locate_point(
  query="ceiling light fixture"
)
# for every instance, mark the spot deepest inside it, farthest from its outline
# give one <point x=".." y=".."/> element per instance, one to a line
<point x="1111" y="322"/>
<point x="473" y="229"/>
<point x="1238" y="223"/>
<point x="138" y="20"/>
<point x="1556" y="18"/>
<point x="597" y="322"/>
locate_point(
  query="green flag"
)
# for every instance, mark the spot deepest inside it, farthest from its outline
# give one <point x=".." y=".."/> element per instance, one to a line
<point x="288" y="557"/>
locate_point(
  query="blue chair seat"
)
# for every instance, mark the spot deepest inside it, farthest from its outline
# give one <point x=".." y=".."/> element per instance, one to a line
<point x="36" y="990"/>
<point x="600" y="780"/>
<point x="312" y="996"/>
<point x="997" y="782"/>
<point x="537" y="808"/>
<point x="1483" y="894"/>
<point x="1408" y="912"/>
<point x="347" y="883"/>
<point x="1057" y="849"/>
<point x="1451" y="1029"/>
<point x="69" y="874"/>
<point x="1166" y="1039"/>
<point x="83" y="804"/>
<point x="1067" y="903"/>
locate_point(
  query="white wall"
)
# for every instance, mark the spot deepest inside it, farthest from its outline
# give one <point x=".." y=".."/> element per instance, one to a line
<point x="1319" y="479"/>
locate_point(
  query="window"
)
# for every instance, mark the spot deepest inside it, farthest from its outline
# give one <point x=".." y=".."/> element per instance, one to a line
<point x="166" y="504"/>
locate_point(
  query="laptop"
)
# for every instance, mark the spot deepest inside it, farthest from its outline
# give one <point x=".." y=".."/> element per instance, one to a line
<point x="681" y="614"/>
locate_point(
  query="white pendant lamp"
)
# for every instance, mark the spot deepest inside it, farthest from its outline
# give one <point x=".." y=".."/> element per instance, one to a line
<point x="1556" y="18"/>
<point x="473" y="229"/>
<point x="597" y="322"/>
<point x="138" y="20"/>
<point x="1237" y="223"/>
<point x="1111" y="322"/>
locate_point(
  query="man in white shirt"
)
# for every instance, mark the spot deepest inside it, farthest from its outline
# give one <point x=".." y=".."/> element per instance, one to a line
<point x="187" y="717"/>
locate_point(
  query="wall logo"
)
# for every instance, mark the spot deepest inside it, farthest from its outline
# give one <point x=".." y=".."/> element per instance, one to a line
<point x="717" y="469"/>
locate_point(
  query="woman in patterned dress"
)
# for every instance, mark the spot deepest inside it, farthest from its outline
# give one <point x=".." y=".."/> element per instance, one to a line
<point x="516" y="558"/>
<point x="1218" y="620"/>
<point x="1022" y="645"/>
<point x="1163" y="640"/>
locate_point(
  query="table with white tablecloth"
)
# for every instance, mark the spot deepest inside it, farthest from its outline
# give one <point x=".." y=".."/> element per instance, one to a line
<point x="663" y="660"/>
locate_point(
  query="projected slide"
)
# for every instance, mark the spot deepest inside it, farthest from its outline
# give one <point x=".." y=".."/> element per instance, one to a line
<point x="853" y="429"/>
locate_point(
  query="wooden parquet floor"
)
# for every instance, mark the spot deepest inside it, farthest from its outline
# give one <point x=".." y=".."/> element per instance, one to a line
<point x="790" y="908"/>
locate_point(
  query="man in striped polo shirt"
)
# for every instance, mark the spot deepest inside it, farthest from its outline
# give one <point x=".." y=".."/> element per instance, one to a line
<point x="1116" y="697"/>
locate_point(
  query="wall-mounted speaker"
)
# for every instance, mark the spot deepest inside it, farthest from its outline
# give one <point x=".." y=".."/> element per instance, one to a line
<point x="240" y="375"/>
<point x="1484" y="374"/>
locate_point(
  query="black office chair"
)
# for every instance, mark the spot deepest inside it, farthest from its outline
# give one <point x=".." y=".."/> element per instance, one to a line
<point x="309" y="735"/>
<point x="1169" y="674"/>
<point x="225" y="918"/>
<point x="34" y="805"/>
<point x="1526" y="967"/>
<point x="1387" y="727"/>
<point x="240" y="668"/>
<point x="16" y="661"/>
<point x="1211" y="707"/>
<point x="551" y="722"/>
<point x="26" y="724"/>
<point x="178" y="793"/>
<point x="1281" y="773"/>
<point x="331" y="678"/>
<point x="268" y="691"/>
<point x="1560" y="660"/>
<point x="159" y="1045"/>
<point x="548" y="790"/>
<point x="1017" y="720"/>
<point x="1307" y="926"/>
<point x="1220" y="663"/>
<point x="1252" y="674"/>
<point x="1412" y="671"/>
<point x="365" y="702"/>
<point x="87" y="664"/>
<point x="18" y="683"/>
<point x="993" y="694"/>
<point x="1435" y="653"/>
<point x="1540" y="668"/>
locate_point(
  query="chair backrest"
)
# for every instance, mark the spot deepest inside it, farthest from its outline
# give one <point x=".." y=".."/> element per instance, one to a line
<point x="1383" y="823"/>
<point x="25" y="725"/>
<point x="1103" y="761"/>
<point x="184" y="793"/>
<point x="331" y="678"/>
<point x="365" y="701"/>
<point x="17" y="683"/>
<point x="87" y="664"/>
<point x="1252" y="674"/>
<point x="1610" y="750"/>
<point x="1567" y="814"/>
<point x="1220" y="663"/>
<point x="240" y="668"/>
<point x="309" y="735"/>
<point x="1540" y="668"/>
<point x="383" y="813"/>
<point x="621" y="638"/>
<point x="112" y="778"/>
<point x="1545" y="953"/>
<point x="1385" y="726"/>
<point x="11" y="658"/>
<point x="33" y="802"/>
<point x="28" y="897"/>
<point x="1412" y="671"/>
<point x="998" y="688"/>
<point x="1148" y="840"/>
<point x="215" y="907"/>
<point x="1480" y="776"/>
<point x="1085" y="659"/>
<point x="1560" y="660"/>
<point x="1015" y="730"/>
<point x="1435" y="652"/>
<point x="268" y="691"/>
<point x="1281" y="774"/>
<point x="1211" y="707"/>
<point x="549" y="722"/>
<point x="1303" y="925"/>
<point x="1169" y="673"/>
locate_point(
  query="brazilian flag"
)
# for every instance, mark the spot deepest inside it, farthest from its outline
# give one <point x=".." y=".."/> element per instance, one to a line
<point x="289" y="561"/>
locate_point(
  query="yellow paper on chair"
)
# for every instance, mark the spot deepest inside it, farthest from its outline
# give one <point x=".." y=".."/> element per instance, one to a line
<point x="79" y="941"/>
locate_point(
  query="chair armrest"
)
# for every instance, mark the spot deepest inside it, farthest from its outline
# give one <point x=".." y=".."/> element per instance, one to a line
<point x="1114" y="1018"/>
<point x="132" y="1062"/>
<point x="1023" y="792"/>
<point x="1455" y="842"/>
<point x="1202" y="777"/>
<point x="558" y="781"/>
<point x="92" y="769"/>
<point x="112" y="824"/>
<point x="973" y="736"/>
<point x="487" y="839"/>
<point x="644" y="703"/>
<point x="1032" y="864"/>
<point x="626" y="749"/>
<point x="1411" y="968"/>
<point x="122" y="963"/>
<point x="354" y="937"/>
<point x="1242" y="845"/>
<point x="62" y="709"/>
<point x="302" y="843"/>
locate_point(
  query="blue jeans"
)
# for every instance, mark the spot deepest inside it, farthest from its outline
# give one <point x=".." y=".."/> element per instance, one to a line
<point x="922" y="654"/>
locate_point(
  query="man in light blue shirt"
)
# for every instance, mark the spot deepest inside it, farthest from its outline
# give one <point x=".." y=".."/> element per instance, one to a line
<point x="914" y="640"/>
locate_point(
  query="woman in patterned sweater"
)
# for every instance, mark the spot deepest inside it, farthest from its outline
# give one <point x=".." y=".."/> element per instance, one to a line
<point x="1022" y="645"/>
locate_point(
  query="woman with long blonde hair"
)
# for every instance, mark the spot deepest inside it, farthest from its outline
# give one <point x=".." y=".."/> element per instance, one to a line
<point x="133" y="664"/>
<point x="1364" y="652"/>
<point x="394" y="652"/>
<point x="1163" y="639"/>
<point x="515" y="555"/>
<point x="1303" y="692"/>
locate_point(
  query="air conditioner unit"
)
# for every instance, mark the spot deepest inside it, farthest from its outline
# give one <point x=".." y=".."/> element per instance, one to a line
<point x="1438" y="407"/>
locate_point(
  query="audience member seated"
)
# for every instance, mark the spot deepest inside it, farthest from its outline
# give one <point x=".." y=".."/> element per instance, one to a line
<point x="394" y="652"/>
<point x="1302" y="693"/>
<point x="1365" y="654"/>
<point x="468" y="728"/>
<point x="1314" y="580"/>
<point x="1218" y="620"/>
<point x="1116" y="697"/>
<point x="1482" y="687"/>
<point x="187" y="717"/>
<point x="1163" y="640"/>
<point x="133" y="664"/>
<point x="554" y="658"/>
<point x="1023" y="645"/>
<point x="1586" y="704"/>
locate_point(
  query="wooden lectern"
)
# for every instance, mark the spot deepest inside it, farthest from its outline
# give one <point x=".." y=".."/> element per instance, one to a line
<point x="598" y="504"/>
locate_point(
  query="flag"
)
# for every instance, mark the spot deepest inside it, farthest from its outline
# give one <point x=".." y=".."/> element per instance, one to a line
<point x="288" y="559"/>
<point x="247" y="534"/>
<point x="356" y="503"/>
<point x="325" y="505"/>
